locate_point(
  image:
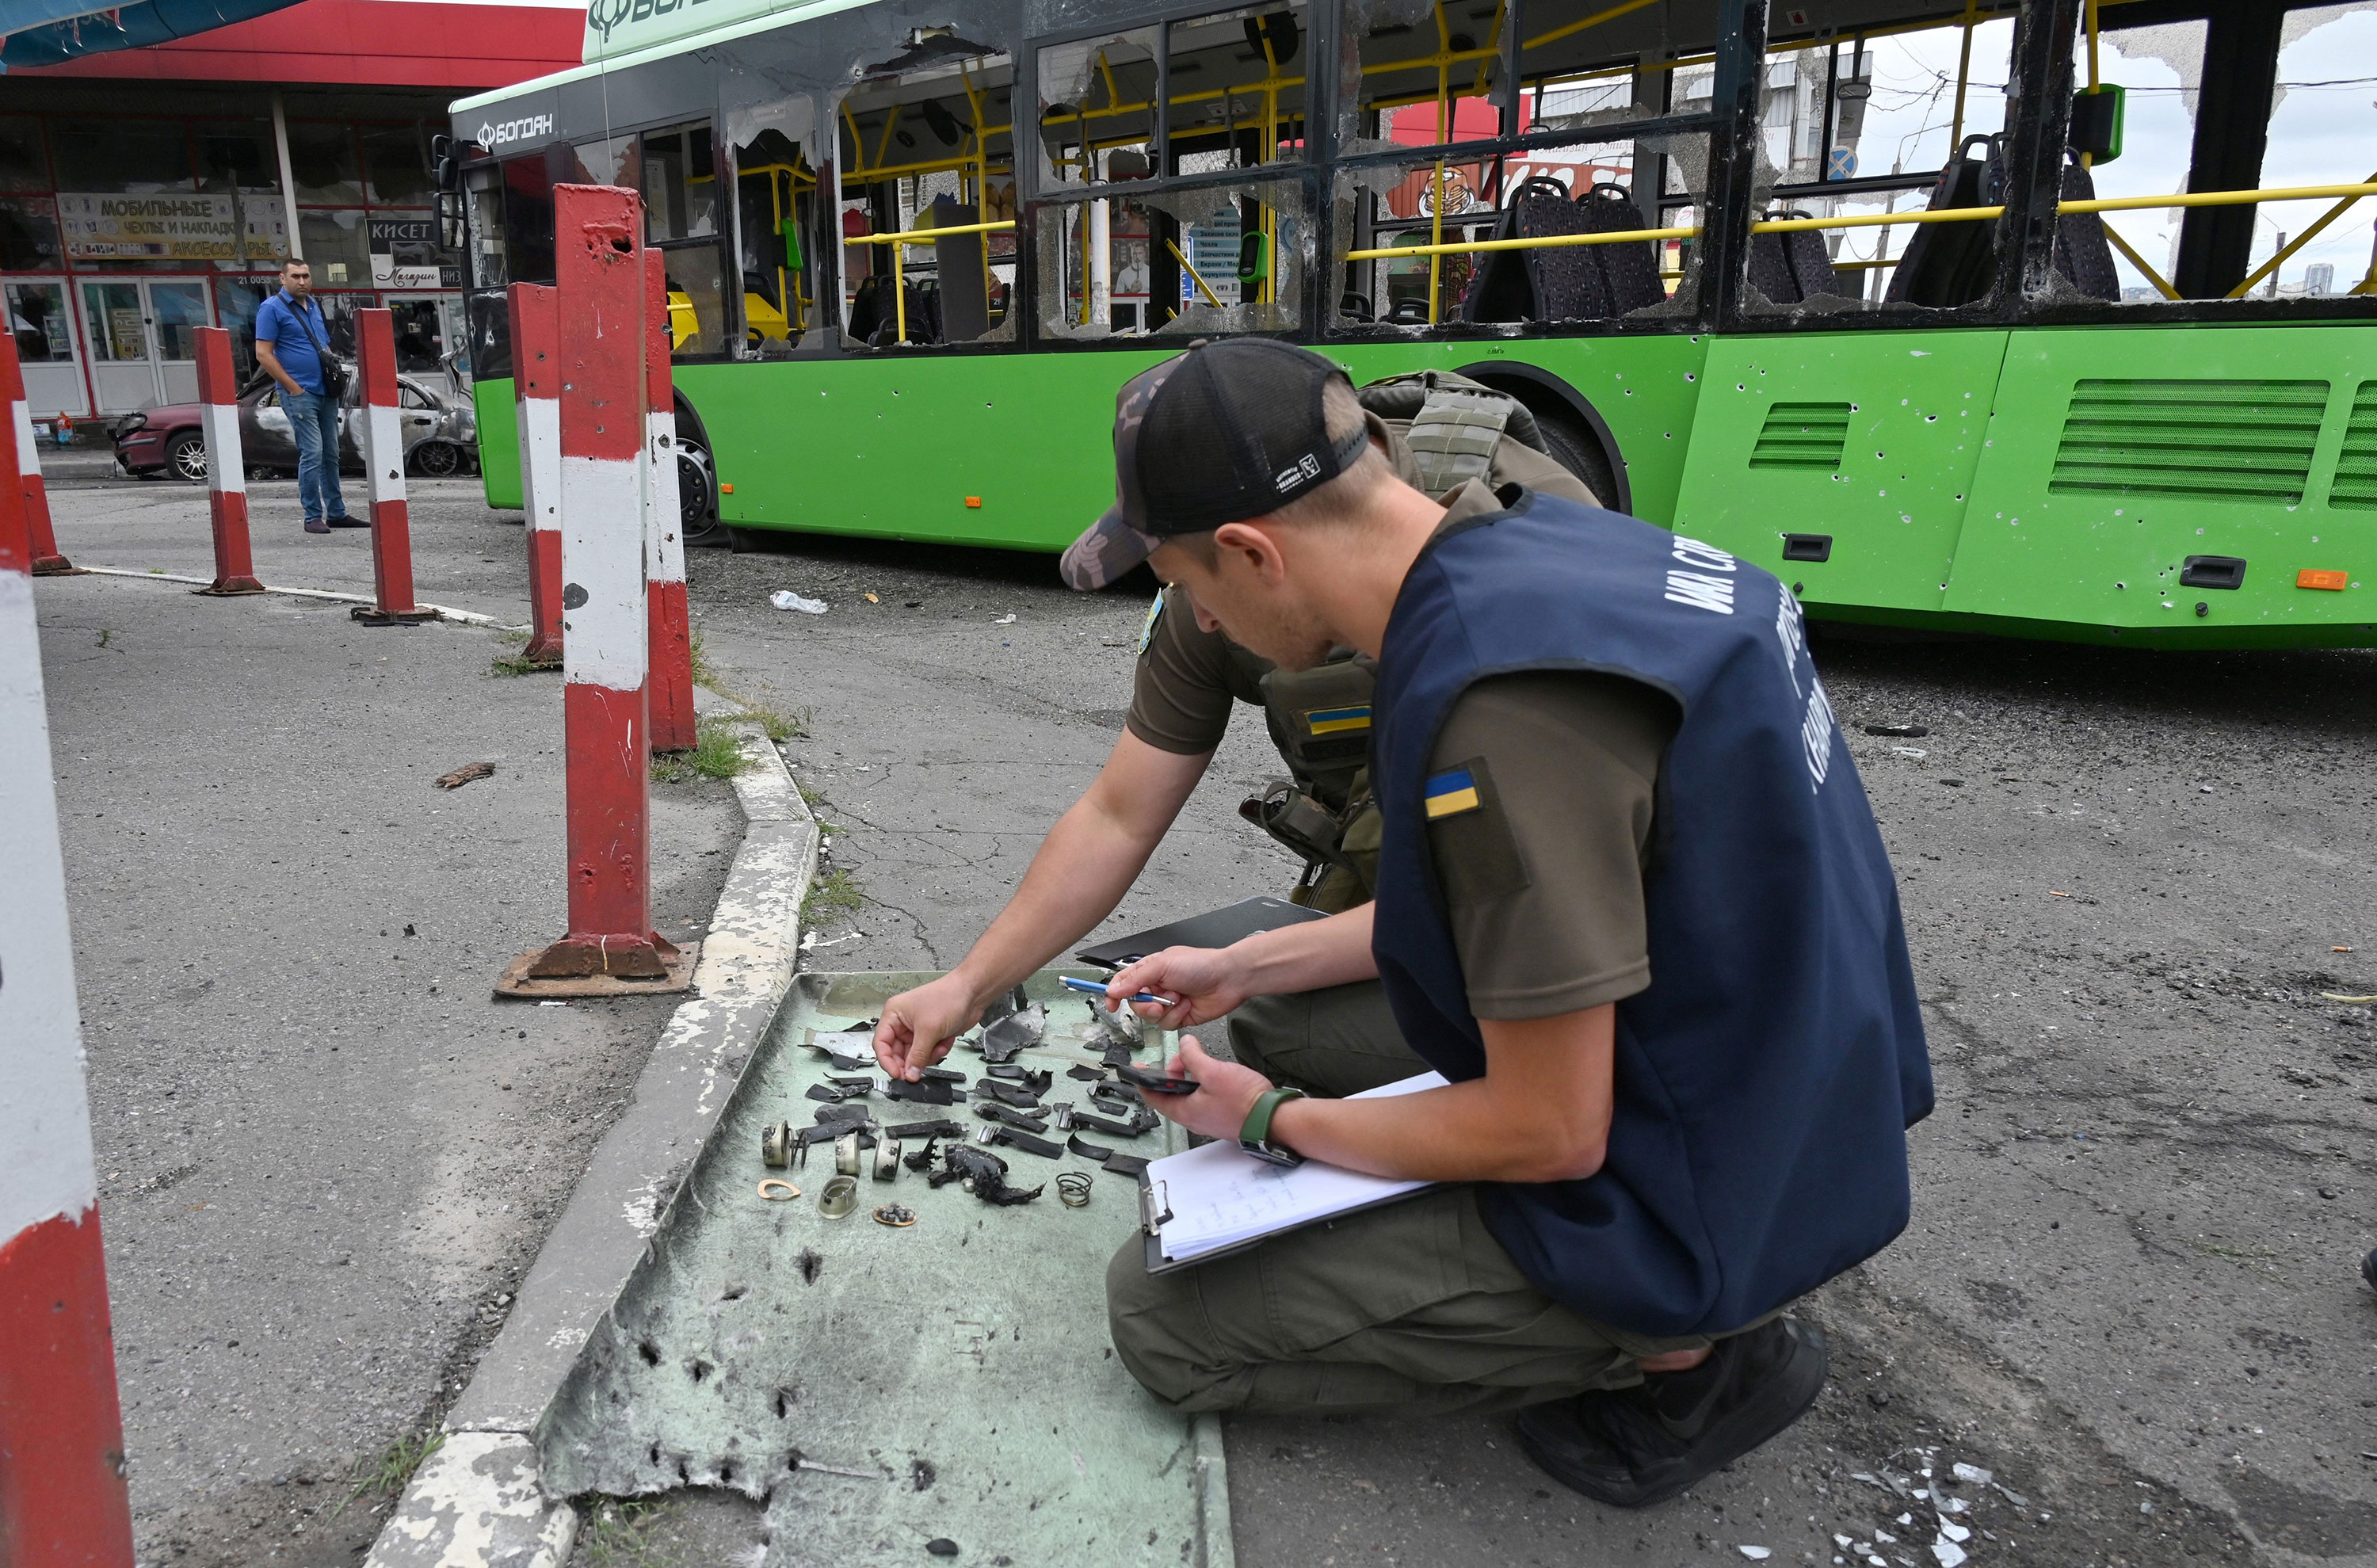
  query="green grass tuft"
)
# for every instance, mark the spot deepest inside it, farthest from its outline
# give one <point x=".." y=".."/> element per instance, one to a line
<point x="717" y="754"/>
<point x="385" y="1476"/>
<point x="613" y="1535"/>
<point x="836" y="893"/>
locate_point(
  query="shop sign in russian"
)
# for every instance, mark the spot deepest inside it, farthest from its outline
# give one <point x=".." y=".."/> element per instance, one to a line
<point x="404" y="255"/>
<point x="177" y="228"/>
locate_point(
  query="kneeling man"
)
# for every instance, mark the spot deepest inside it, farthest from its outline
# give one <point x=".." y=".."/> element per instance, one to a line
<point x="1632" y="902"/>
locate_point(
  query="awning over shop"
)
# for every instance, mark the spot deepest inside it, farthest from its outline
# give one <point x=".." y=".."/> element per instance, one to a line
<point x="48" y="32"/>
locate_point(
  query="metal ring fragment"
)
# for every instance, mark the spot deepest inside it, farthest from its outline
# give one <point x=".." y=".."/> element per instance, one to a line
<point x="787" y="1196"/>
<point x="899" y="1217"/>
<point x="776" y="1144"/>
<point x="841" y="1196"/>
<point x="845" y="1154"/>
<point x="1074" y="1189"/>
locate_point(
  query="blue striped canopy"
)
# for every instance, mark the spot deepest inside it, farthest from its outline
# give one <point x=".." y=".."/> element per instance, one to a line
<point x="44" y="32"/>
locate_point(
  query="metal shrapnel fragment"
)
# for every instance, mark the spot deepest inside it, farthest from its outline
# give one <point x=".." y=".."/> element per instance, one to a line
<point x="841" y="1196"/>
<point x="1129" y="1166"/>
<point x="886" y="1159"/>
<point x="778" y="1192"/>
<point x="913" y="1129"/>
<point x="1024" y="1141"/>
<point x="1007" y="1117"/>
<point x="931" y="1092"/>
<point x="922" y="1160"/>
<point x="776" y="1144"/>
<point x="1001" y="1040"/>
<point x="1088" y="1150"/>
<point x="1073" y="1188"/>
<point x="899" y="1217"/>
<point x="1007" y="1094"/>
<point x="845" y="1154"/>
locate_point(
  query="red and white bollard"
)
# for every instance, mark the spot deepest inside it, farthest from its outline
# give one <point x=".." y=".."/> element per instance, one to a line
<point x="47" y="561"/>
<point x="226" y="466"/>
<point x="611" y="947"/>
<point x="672" y="632"/>
<point x="383" y="447"/>
<point x="63" y="1499"/>
<point x="536" y="387"/>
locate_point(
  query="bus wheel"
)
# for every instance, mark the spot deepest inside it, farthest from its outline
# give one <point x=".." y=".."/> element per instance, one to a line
<point x="1578" y="452"/>
<point x="697" y="495"/>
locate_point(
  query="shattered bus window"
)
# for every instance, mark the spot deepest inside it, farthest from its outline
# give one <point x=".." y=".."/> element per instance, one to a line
<point x="1204" y="261"/>
<point x="1860" y="127"/>
<point x="1235" y="97"/>
<point x="926" y="142"/>
<point x="1572" y="83"/>
<point x="1097" y="108"/>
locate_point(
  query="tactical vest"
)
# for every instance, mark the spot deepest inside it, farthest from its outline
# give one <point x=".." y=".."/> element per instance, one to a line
<point x="1766" y="1077"/>
<point x="1321" y="718"/>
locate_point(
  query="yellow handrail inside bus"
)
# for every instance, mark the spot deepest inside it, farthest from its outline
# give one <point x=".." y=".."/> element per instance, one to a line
<point x="1877" y="220"/>
<point x="919" y="236"/>
<point x="1211" y="297"/>
<point x="2330" y="216"/>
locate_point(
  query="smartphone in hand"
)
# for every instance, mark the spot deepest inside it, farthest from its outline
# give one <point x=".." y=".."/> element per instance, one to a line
<point x="1153" y="1080"/>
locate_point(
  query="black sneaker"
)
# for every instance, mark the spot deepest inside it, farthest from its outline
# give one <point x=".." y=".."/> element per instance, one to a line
<point x="346" y="520"/>
<point x="1633" y="1447"/>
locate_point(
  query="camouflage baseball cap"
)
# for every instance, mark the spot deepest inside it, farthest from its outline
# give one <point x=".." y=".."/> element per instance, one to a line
<point x="1228" y="431"/>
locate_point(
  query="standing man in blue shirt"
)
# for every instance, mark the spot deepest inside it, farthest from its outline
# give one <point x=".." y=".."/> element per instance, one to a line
<point x="292" y="337"/>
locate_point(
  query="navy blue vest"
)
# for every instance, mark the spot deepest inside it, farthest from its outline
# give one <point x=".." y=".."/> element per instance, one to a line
<point x="1766" y="1077"/>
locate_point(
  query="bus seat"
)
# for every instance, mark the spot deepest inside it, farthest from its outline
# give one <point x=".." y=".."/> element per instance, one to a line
<point x="1952" y="264"/>
<point x="1560" y="285"/>
<point x="2082" y="253"/>
<point x="762" y="283"/>
<point x="1630" y="273"/>
<point x="1789" y="268"/>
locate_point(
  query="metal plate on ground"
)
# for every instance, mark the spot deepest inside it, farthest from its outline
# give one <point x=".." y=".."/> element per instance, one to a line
<point x="879" y="1387"/>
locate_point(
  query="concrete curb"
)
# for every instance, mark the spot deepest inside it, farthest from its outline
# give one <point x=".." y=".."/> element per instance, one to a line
<point x="476" y="1502"/>
<point x="466" y="617"/>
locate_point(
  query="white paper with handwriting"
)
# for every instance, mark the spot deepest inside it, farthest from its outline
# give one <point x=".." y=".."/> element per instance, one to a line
<point x="1219" y="1195"/>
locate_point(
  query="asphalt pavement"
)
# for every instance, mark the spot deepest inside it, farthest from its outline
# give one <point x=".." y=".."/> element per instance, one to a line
<point x="2127" y="1304"/>
<point x="327" y="1154"/>
<point x="2129" y="1293"/>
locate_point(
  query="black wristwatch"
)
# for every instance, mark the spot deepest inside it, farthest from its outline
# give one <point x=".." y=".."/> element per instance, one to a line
<point x="1254" y="1134"/>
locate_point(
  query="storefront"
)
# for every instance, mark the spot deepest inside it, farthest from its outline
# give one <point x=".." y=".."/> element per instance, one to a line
<point x="137" y="203"/>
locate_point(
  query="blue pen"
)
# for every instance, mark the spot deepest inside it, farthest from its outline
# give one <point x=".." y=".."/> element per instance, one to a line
<point x="1092" y="988"/>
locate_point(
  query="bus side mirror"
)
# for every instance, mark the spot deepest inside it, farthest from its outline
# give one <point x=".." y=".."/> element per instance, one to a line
<point x="2097" y="113"/>
<point x="445" y="169"/>
<point x="1254" y="256"/>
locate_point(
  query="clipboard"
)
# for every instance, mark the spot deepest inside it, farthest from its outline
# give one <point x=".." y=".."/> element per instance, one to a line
<point x="1153" y="1214"/>
<point x="1216" y="927"/>
<point x="1155" y="1199"/>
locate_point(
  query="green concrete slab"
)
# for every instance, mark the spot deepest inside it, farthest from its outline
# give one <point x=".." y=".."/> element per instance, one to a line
<point x="961" y="1366"/>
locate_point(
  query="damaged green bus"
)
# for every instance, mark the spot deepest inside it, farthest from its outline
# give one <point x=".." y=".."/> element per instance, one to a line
<point x="2050" y="318"/>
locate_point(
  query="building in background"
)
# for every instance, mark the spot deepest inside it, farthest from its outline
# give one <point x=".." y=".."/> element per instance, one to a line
<point x="150" y="191"/>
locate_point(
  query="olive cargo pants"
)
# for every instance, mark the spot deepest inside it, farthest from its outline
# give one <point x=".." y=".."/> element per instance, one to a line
<point x="1413" y="1308"/>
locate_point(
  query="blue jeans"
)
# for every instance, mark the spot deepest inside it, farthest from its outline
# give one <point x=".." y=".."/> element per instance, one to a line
<point x="314" y="421"/>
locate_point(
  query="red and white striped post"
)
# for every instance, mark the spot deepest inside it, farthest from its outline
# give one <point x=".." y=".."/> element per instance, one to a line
<point x="63" y="1499"/>
<point x="47" y="561"/>
<point x="226" y="466"/>
<point x="536" y="387"/>
<point x="384" y="471"/>
<point x="599" y="290"/>
<point x="672" y="632"/>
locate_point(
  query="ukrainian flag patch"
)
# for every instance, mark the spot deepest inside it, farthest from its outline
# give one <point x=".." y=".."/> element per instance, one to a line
<point x="1147" y="627"/>
<point x="1337" y="721"/>
<point x="1449" y="794"/>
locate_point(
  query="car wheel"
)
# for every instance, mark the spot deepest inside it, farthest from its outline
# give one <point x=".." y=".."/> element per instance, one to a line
<point x="185" y="457"/>
<point x="436" y="460"/>
<point x="697" y="495"/>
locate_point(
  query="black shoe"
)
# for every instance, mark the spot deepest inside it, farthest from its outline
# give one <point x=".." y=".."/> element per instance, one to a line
<point x="2368" y="1270"/>
<point x="1633" y="1447"/>
<point x="345" y="519"/>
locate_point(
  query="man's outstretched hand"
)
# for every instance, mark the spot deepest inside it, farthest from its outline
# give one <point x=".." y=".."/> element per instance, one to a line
<point x="919" y="1027"/>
